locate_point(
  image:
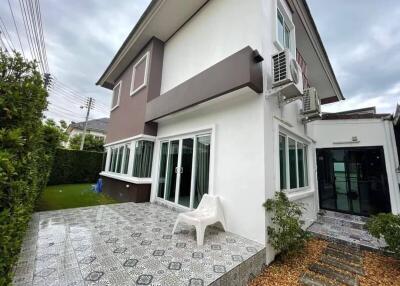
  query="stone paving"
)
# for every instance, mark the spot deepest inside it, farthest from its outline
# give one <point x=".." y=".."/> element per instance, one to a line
<point x="345" y="228"/>
<point x="339" y="264"/>
<point x="130" y="244"/>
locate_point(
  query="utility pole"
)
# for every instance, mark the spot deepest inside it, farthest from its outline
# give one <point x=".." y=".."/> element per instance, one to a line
<point x="89" y="105"/>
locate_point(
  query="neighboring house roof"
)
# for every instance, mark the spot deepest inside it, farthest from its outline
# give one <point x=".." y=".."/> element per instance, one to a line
<point x="99" y="125"/>
<point x="362" y="113"/>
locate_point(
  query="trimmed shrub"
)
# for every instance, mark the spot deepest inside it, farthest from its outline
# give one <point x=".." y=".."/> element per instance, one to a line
<point x="285" y="234"/>
<point x="75" y="166"/>
<point x="387" y="226"/>
<point x="27" y="148"/>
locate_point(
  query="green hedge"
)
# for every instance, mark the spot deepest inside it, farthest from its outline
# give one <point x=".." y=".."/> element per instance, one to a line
<point x="75" y="166"/>
<point x="27" y="147"/>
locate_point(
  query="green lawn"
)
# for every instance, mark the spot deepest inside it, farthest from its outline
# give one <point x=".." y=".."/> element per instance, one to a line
<point x="71" y="196"/>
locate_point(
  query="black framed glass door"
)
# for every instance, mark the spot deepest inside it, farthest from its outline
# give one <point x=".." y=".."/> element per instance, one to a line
<point x="353" y="180"/>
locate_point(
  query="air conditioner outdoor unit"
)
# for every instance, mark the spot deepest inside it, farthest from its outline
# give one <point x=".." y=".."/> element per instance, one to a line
<point x="286" y="75"/>
<point x="311" y="103"/>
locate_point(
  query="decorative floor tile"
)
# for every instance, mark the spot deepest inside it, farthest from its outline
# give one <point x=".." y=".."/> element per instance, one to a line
<point x="94" y="276"/>
<point x="125" y="244"/>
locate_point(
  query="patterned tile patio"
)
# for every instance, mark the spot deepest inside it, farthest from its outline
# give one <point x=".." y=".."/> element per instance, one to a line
<point x="130" y="244"/>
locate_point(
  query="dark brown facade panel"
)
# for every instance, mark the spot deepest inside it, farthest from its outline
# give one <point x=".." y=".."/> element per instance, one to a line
<point x="156" y="64"/>
<point x="236" y="71"/>
<point x="128" y="119"/>
<point x="329" y="100"/>
<point x="118" y="190"/>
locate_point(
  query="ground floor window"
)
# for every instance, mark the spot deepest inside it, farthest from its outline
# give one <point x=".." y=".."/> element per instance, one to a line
<point x="143" y="159"/>
<point x="293" y="166"/>
<point x="139" y="160"/>
<point x="184" y="166"/>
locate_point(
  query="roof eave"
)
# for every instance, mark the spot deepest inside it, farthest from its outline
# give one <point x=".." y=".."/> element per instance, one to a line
<point x="336" y="86"/>
<point x="102" y="80"/>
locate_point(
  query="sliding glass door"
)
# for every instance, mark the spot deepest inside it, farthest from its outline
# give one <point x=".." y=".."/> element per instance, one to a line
<point x="184" y="170"/>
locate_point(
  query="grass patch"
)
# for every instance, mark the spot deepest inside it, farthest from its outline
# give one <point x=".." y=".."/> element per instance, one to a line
<point x="70" y="196"/>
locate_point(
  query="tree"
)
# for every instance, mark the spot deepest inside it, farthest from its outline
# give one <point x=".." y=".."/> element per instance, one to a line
<point x="27" y="147"/>
<point x="91" y="143"/>
<point x="60" y="131"/>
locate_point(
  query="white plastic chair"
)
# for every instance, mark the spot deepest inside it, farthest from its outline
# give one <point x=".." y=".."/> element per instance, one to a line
<point x="207" y="213"/>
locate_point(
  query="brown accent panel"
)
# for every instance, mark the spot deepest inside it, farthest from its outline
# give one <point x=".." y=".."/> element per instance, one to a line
<point x="236" y="71"/>
<point x="117" y="189"/>
<point x="329" y="100"/>
<point x="128" y="119"/>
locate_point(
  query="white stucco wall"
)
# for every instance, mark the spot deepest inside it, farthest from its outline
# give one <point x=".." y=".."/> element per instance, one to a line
<point x="237" y="173"/>
<point x="217" y="31"/>
<point x="369" y="132"/>
<point x="286" y="119"/>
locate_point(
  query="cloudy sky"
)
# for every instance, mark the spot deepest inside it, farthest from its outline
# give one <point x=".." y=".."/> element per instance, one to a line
<point x="362" y="38"/>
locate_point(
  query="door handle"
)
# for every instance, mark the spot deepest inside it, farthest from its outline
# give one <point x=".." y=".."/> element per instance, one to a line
<point x="178" y="170"/>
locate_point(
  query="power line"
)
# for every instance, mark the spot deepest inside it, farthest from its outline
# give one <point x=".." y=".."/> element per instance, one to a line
<point x="60" y="93"/>
<point x="7" y="37"/>
<point x="43" y="43"/>
<point x="29" y="33"/>
<point x="26" y="31"/>
<point x="16" y="28"/>
<point x="34" y="27"/>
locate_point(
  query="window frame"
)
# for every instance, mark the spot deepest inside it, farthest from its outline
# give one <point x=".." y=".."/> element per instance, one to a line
<point x="287" y="23"/>
<point x="121" y="147"/>
<point x="145" y="58"/>
<point x="305" y="148"/>
<point x="119" y="95"/>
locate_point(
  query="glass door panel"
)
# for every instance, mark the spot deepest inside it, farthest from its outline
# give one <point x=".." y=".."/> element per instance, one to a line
<point x="172" y="170"/>
<point x="202" y="168"/>
<point x="186" y="172"/>
<point x="163" y="169"/>
<point x="341" y="186"/>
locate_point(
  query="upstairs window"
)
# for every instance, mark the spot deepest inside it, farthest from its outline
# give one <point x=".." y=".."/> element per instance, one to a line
<point x="284" y="35"/>
<point x="116" y="95"/>
<point x="283" y="31"/>
<point x="139" y="74"/>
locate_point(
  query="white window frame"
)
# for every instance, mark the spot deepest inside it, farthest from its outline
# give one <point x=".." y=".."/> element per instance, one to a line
<point x="287" y="22"/>
<point x="123" y="143"/>
<point x="305" y="162"/>
<point x="119" y="95"/>
<point x="145" y="80"/>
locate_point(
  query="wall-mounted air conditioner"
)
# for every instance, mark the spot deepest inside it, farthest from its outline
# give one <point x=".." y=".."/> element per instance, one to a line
<point x="311" y="103"/>
<point x="286" y="75"/>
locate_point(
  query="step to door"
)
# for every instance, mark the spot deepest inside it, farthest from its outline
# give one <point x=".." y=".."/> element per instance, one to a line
<point x="338" y="221"/>
<point x="342" y="265"/>
<point x="355" y="250"/>
<point x="309" y="279"/>
<point x="347" y="279"/>
<point x="345" y="235"/>
<point x="344" y="216"/>
<point x="351" y="258"/>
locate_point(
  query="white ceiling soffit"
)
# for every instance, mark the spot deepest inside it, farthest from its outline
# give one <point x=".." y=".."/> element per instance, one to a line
<point x="320" y="73"/>
<point x="162" y="20"/>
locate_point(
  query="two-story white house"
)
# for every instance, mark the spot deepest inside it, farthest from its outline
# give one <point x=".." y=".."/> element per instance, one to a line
<point x="211" y="100"/>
